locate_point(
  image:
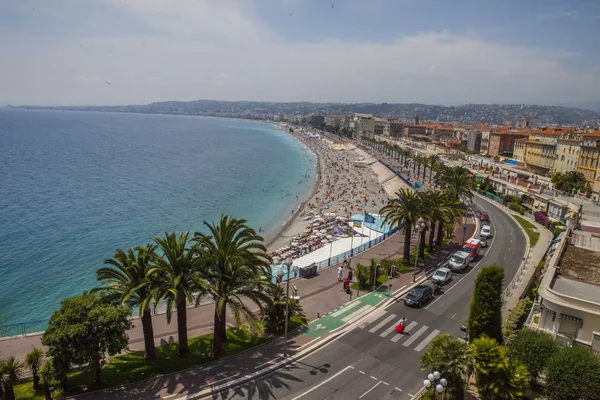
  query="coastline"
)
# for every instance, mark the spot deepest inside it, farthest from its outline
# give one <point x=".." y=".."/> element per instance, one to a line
<point x="335" y="163"/>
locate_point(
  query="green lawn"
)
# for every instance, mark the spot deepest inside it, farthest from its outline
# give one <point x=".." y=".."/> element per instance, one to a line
<point x="132" y="367"/>
<point x="531" y="230"/>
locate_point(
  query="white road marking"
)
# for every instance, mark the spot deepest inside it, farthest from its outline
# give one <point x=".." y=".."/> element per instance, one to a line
<point x="371" y="318"/>
<point x="426" y="341"/>
<point x="374" y="386"/>
<point x="323" y="382"/>
<point x="452" y="317"/>
<point x="415" y="336"/>
<point x="390" y="329"/>
<point x="346" y="308"/>
<point x="382" y="323"/>
<point x="385" y="383"/>
<point x="358" y="314"/>
<point x="372" y="377"/>
<point x="406" y="330"/>
<point x="209" y="384"/>
<point x="398" y="389"/>
<point x="362" y="372"/>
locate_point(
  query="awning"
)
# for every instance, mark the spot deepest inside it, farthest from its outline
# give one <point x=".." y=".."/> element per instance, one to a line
<point x="571" y="318"/>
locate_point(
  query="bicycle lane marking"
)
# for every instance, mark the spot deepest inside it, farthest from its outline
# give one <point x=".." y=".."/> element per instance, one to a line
<point x="343" y="315"/>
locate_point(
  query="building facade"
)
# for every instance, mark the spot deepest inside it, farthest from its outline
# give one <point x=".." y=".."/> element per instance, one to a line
<point x="474" y="140"/>
<point x="541" y="149"/>
<point x="568" y="147"/>
<point x="502" y="143"/>
<point x="396" y="128"/>
<point x="520" y="150"/>
<point x="589" y="154"/>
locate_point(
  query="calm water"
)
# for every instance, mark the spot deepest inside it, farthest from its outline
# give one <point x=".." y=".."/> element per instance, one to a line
<point x="74" y="186"/>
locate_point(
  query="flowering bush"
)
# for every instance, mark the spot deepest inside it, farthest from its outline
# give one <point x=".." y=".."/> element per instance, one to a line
<point x="541" y="218"/>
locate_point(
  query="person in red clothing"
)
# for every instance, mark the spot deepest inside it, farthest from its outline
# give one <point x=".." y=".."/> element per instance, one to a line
<point x="401" y="325"/>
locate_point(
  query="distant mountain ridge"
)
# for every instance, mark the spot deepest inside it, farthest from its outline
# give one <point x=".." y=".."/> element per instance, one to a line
<point x="488" y="114"/>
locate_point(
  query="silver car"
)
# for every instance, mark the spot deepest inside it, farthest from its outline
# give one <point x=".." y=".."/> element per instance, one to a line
<point x="459" y="261"/>
<point x="483" y="241"/>
<point x="442" y="275"/>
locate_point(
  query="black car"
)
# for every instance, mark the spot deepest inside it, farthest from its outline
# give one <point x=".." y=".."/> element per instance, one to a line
<point x="418" y="296"/>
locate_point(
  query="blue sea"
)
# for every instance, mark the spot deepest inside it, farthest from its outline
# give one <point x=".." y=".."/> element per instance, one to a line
<point x="75" y="186"/>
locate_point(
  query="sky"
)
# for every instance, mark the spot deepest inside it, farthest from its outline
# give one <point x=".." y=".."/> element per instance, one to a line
<point x="104" y="52"/>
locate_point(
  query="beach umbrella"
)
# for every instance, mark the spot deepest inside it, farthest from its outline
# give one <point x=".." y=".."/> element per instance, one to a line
<point x="329" y="236"/>
<point x="323" y="231"/>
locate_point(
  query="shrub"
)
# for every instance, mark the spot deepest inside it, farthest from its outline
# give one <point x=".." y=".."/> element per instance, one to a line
<point x="485" y="316"/>
<point x="541" y="218"/>
<point x="516" y="318"/>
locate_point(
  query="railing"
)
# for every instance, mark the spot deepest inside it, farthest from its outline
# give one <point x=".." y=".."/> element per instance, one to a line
<point x="355" y="250"/>
<point x="23" y="328"/>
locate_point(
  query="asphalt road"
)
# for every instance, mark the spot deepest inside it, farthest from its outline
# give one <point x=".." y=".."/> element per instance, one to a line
<point x="373" y="362"/>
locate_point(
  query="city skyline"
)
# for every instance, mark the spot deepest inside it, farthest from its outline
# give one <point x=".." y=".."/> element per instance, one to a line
<point x="109" y="52"/>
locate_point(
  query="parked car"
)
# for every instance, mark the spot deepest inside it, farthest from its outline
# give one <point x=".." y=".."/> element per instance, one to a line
<point x="459" y="261"/>
<point x="418" y="296"/>
<point x="485" y="223"/>
<point x="486" y="231"/>
<point x="442" y="275"/>
<point x="484" y="217"/>
<point x="483" y="241"/>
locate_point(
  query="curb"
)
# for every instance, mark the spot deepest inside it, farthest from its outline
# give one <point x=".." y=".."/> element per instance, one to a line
<point x="333" y="335"/>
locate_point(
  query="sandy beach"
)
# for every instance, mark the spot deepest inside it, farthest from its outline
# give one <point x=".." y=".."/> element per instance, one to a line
<point x="344" y="185"/>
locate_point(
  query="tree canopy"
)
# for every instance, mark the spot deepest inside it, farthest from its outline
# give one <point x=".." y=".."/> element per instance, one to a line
<point x="534" y="350"/>
<point x="485" y="317"/>
<point x="573" y="373"/>
<point x="84" y="330"/>
<point x="572" y="180"/>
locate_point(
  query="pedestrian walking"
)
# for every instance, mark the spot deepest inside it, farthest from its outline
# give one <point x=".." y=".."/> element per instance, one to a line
<point x="340" y="273"/>
<point x="350" y="275"/>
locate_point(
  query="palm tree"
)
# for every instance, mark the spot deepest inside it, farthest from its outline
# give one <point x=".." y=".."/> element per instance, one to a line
<point x="11" y="371"/>
<point x="134" y="278"/>
<point x="433" y="162"/>
<point x="404" y="210"/>
<point x="457" y="181"/>
<point x="47" y="375"/>
<point x="450" y="356"/>
<point x="33" y="361"/>
<point x="236" y="267"/>
<point x="431" y="213"/>
<point x="512" y="381"/>
<point x="179" y="272"/>
<point x="274" y="315"/>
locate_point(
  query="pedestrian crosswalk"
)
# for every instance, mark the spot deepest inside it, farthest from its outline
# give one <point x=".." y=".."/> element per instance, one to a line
<point x="415" y="334"/>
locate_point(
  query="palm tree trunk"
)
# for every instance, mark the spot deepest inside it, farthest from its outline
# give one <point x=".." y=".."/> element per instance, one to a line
<point x="183" y="349"/>
<point x="47" y="394"/>
<point x="36" y="379"/>
<point x="431" y="236"/>
<point x="422" y="243"/>
<point x="440" y="232"/>
<point x="217" y="334"/>
<point x="148" y="330"/>
<point x="407" y="234"/>
<point x="223" y="322"/>
<point x="430" y="172"/>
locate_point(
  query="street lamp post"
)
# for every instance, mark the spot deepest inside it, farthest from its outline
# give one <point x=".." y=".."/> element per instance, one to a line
<point x="288" y="263"/>
<point x="436" y="381"/>
<point x="419" y="227"/>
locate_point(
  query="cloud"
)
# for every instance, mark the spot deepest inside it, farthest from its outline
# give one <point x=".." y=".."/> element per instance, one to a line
<point x="218" y="50"/>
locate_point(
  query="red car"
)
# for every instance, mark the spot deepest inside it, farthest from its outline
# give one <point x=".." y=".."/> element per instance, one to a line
<point x="484" y="217"/>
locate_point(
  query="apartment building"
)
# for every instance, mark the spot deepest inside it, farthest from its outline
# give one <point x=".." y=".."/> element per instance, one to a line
<point x="541" y="149"/>
<point x="474" y="140"/>
<point x="502" y="141"/>
<point x="396" y="128"/>
<point x="568" y="147"/>
<point x="568" y="305"/>
<point x="364" y="124"/>
<point x="381" y="127"/>
<point x="589" y="154"/>
<point x="520" y="150"/>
